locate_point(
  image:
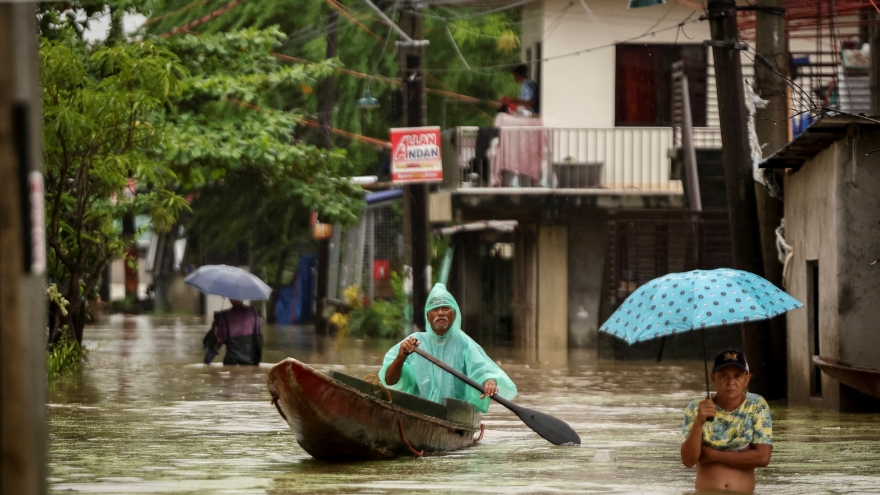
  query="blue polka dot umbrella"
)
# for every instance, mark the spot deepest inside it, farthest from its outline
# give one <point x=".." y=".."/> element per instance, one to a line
<point x="699" y="299"/>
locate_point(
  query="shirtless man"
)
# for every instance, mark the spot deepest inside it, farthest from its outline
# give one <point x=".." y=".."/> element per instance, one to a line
<point x="727" y="450"/>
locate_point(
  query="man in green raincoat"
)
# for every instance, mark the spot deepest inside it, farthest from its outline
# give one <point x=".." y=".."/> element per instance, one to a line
<point x="445" y="340"/>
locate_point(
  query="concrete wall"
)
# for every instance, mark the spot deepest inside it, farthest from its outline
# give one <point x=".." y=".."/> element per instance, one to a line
<point x="525" y="276"/>
<point x="811" y="227"/>
<point x="587" y="251"/>
<point x="552" y="289"/>
<point x="831" y="213"/>
<point x="578" y="90"/>
<point x="858" y="244"/>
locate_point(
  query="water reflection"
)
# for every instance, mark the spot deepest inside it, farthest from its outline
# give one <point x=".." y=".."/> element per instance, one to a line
<point x="146" y="417"/>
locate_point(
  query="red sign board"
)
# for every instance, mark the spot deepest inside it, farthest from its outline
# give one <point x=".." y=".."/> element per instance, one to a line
<point x="415" y="155"/>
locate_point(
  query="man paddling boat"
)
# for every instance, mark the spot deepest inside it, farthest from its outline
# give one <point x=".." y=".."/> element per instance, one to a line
<point x="445" y="340"/>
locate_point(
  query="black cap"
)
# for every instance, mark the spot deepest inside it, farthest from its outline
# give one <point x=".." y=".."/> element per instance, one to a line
<point x="731" y="357"/>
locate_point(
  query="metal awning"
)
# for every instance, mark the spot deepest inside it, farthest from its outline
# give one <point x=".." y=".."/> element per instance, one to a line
<point x="494" y="225"/>
<point x="819" y="136"/>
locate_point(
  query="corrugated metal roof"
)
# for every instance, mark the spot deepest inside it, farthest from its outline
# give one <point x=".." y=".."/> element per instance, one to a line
<point x="820" y="135"/>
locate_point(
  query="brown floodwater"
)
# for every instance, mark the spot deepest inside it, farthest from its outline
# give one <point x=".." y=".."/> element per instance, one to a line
<point x="144" y="416"/>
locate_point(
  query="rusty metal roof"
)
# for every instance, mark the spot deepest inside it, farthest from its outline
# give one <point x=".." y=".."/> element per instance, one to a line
<point x="820" y="135"/>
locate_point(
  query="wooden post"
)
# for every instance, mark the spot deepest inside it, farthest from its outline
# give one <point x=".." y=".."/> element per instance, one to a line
<point x="22" y="263"/>
<point x="742" y="205"/>
<point x="771" y="125"/>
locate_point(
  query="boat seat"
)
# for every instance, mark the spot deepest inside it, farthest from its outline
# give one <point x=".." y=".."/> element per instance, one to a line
<point x="401" y="399"/>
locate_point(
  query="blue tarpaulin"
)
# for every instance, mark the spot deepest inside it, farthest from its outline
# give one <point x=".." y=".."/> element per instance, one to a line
<point x="294" y="303"/>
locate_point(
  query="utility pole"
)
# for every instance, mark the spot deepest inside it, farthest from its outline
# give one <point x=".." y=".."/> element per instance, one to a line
<point x="874" y="43"/>
<point x="328" y="85"/>
<point x="23" y="259"/>
<point x="411" y="53"/>
<point x="771" y="125"/>
<point x="325" y="119"/>
<point x="742" y="206"/>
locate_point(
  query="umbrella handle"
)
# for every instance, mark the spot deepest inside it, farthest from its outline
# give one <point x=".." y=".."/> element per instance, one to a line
<point x="706" y="369"/>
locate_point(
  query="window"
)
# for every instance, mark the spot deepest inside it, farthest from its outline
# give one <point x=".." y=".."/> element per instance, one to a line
<point x="644" y="83"/>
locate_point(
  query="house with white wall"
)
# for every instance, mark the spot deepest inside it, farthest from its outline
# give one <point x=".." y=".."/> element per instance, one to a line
<point x="603" y="208"/>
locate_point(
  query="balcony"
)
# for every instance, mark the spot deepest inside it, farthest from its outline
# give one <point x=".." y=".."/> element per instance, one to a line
<point x="528" y="160"/>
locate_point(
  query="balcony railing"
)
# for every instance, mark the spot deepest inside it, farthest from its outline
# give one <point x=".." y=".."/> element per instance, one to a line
<point x="618" y="159"/>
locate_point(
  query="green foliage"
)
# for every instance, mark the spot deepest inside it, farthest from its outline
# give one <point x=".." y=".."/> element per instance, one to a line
<point x="235" y="139"/>
<point x="487" y="40"/>
<point x="383" y="319"/>
<point x="379" y="319"/>
<point x="225" y="143"/>
<point x="77" y="15"/>
<point x="103" y="112"/>
<point x="64" y="359"/>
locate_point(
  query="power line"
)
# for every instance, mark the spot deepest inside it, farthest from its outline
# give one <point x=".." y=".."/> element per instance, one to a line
<point x="628" y="40"/>
<point x="488" y="68"/>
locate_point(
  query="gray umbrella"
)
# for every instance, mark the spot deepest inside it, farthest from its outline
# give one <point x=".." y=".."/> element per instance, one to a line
<point x="229" y="281"/>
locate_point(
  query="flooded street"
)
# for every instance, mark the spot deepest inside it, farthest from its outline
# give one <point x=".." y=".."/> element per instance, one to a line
<point x="145" y="417"/>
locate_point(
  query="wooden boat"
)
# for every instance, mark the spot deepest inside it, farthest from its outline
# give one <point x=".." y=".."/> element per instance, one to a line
<point x="340" y="417"/>
<point x="865" y="380"/>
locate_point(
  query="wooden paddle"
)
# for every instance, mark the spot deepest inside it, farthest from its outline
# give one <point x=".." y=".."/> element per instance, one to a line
<point x="552" y="429"/>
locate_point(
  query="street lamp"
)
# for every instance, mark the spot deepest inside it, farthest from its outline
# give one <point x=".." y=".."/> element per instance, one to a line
<point x="367" y="102"/>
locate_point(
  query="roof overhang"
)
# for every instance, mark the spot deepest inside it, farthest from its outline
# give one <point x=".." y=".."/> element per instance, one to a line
<point x="819" y="136"/>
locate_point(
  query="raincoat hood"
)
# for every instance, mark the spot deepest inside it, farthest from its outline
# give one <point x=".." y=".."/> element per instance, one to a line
<point x="455" y="348"/>
<point x="438" y="298"/>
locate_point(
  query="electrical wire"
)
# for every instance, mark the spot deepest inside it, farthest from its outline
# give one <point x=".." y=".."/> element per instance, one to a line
<point x="688" y="20"/>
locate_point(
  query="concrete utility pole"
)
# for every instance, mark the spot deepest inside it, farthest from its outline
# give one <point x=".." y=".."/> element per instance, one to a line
<point x="22" y="258"/>
<point x="771" y="125"/>
<point x="742" y="206"/>
<point x="415" y="199"/>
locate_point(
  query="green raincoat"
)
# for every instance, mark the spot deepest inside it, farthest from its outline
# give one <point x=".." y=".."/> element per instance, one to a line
<point x="455" y="348"/>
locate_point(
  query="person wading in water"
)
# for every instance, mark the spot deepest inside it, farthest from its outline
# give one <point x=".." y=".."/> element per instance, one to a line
<point x="727" y="450"/>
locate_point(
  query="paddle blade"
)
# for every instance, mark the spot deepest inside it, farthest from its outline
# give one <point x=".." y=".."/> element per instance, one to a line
<point x="554" y="430"/>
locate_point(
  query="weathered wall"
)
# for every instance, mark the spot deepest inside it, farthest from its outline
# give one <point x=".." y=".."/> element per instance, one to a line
<point x="811" y="227"/>
<point x="858" y="243"/>
<point x="578" y="90"/>
<point x="587" y="251"/>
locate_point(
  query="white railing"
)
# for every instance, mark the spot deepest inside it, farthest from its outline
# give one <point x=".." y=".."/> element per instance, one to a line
<point x="621" y="158"/>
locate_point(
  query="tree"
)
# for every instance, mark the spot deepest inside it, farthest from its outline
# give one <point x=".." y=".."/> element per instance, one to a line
<point x="487" y="40"/>
<point x="178" y="118"/>
<point x="235" y="139"/>
<point x="102" y="126"/>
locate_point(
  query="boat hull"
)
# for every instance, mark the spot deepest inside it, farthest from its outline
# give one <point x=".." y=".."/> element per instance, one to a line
<point x="865" y="380"/>
<point x="335" y="421"/>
